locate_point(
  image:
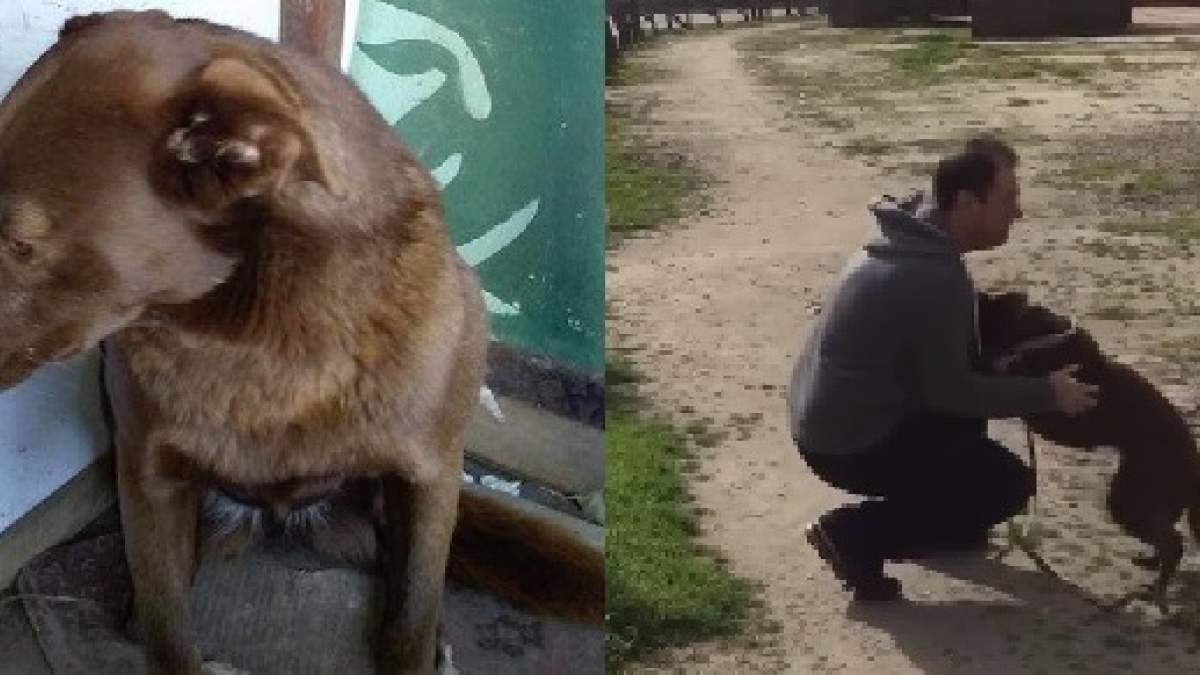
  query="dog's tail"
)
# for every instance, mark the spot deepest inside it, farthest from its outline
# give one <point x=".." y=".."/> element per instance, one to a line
<point x="505" y="550"/>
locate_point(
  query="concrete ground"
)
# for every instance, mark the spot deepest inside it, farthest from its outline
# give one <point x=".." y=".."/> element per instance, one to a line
<point x="272" y="612"/>
<point x="20" y="653"/>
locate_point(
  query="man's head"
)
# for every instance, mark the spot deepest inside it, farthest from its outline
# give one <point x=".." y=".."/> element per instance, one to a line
<point x="976" y="191"/>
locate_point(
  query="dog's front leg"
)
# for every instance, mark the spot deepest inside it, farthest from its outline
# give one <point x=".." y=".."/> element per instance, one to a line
<point x="159" y="516"/>
<point x="416" y="530"/>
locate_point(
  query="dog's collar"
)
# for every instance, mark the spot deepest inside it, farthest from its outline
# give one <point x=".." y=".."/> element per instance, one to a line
<point x="1003" y="363"/>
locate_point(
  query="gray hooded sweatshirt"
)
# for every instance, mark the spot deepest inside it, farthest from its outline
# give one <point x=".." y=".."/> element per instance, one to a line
<point x="898" y="335"/>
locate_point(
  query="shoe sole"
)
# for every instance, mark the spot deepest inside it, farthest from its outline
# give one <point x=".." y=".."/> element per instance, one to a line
<point x="816" y="537"/>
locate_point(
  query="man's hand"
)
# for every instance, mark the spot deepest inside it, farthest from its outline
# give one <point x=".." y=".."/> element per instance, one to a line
<point x="1073" y="396"/>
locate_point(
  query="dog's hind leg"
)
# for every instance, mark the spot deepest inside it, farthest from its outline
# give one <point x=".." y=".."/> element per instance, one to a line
<point x="1170" y="554"/>
<point x="1146" y="518"/>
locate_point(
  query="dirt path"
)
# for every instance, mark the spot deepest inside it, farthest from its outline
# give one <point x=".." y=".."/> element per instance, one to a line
<point x="714" y="312"/>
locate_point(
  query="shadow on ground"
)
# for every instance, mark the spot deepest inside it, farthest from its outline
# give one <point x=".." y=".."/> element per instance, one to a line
<point x="1037" y="625"/>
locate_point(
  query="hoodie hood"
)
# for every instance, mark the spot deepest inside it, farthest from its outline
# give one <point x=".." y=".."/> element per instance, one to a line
<point x="910" y="227"/>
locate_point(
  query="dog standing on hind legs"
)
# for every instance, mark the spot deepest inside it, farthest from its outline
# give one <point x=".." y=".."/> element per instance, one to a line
<point x="284" y="314"/>
<point x="1157" y="481"/>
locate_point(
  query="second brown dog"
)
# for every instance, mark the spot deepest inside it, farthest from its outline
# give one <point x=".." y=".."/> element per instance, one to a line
<point x="291" y="336"/>
<point x="1157" y="480"/>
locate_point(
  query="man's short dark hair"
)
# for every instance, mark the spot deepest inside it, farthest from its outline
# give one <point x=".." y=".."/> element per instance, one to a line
<point x="973" y="169"/>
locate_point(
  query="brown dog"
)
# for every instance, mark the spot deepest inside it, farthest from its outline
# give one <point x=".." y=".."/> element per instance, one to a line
<point x="288" y="324"/>
<point x="1158" y="473"/>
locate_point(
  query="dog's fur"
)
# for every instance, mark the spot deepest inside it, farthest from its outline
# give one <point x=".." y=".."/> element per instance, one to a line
<point x="1158" y="474"/>
<point x="287" y="325"/>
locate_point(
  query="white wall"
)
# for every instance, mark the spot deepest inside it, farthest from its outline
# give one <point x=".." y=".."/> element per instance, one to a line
<point x="51" y="426"/>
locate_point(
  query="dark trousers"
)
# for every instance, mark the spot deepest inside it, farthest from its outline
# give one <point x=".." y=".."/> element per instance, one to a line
<point x="935" y="480"/>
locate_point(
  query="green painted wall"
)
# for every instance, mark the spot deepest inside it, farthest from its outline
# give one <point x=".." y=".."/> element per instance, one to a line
<point x="503" y="101"/>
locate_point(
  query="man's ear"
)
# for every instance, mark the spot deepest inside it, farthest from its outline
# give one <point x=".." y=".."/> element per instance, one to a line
<point x="240" y="131"/>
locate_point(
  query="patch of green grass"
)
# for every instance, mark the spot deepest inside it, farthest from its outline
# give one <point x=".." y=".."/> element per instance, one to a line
<point x="834" y="121"/>
<point x="704" y="433"/>
<point x="946" y="57"/>
<point x="618" y="372"/>
<point x="661" y="588"/>
<point x="1116" y="61"/>
<point x="870" y="146"/>
<point x="1180" y="348"/>
<point x="1115" y="312"/>
<point x="632" y="69"/>
<point x="1093" y="171"/>
<point x="1119" y="250"/>
<point x="848" y="80"/>
<point x="1150" y="182"/>
<point x="644" y="189"/>
<point x="929" y="53"/>
<point x="995" y="64"/>
<point x="1181" y="228"/>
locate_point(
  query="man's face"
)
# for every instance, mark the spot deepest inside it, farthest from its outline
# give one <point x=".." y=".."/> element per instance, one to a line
<point x="993" y="216"/>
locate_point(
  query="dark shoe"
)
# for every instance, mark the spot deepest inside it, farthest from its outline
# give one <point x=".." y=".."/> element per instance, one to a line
<point x="864" y="578"/>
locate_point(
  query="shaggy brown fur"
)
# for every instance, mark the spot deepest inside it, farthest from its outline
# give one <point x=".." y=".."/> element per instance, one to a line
<point x="1158" y="474"/>
<point x="287" y="323"/>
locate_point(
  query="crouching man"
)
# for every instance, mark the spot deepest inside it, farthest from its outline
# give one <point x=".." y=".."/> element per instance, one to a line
<point x="886" y="401"/>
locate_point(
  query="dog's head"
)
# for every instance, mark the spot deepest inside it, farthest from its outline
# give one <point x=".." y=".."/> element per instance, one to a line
<point x="1008" y="320"/>
<point x="124" y="153"/>
<point x="1050" y="353"/>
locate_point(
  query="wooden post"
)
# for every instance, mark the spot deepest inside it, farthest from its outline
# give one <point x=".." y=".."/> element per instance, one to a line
<point x="313" y="26"/>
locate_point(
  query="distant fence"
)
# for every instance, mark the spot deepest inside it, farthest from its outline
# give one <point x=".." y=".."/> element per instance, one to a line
<point x="628" y="21"/>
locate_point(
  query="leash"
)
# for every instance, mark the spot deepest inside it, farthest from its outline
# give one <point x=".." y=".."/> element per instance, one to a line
<point x="1002" y="364"/>
<point x="1031" y="510"/>
<point x="1021" y="535"/>
<point x="1026" y="538"/>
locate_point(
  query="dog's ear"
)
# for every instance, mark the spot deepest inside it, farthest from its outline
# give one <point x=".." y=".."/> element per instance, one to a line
<point x="240" y="131"/>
